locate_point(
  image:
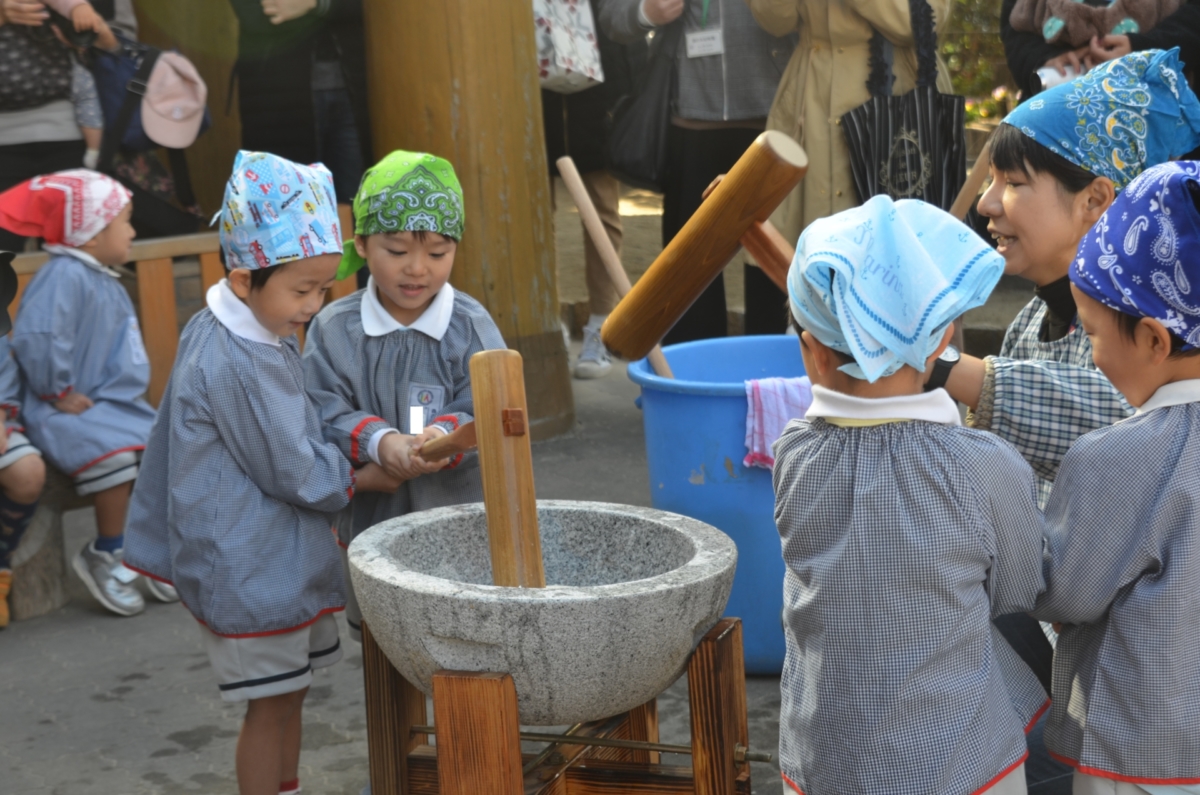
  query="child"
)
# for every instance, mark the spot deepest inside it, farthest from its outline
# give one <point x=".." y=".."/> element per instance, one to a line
<point x="236" y="505"/>
<point x="388" y="365"/>
<point x="904" y="534"/>
<point x="77" y="341"/>
<point x="22" y="474"/>
<point x="1057" y="162"/>
<point x="1123" y="571"/>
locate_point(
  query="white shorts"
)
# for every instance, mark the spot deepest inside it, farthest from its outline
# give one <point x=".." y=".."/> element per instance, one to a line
<point x="119" y="468"/>
<point x="250" y="668"/>
<point x="19" y="446"/>
<point x="1083" y="784"/>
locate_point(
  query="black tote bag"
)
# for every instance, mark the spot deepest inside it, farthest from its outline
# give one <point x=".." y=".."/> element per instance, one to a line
<point x="912" y="146"/>
<point x="637" y="142"/>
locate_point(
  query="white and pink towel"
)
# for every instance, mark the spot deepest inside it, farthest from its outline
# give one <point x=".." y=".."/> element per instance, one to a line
<point x="771" y="403"/>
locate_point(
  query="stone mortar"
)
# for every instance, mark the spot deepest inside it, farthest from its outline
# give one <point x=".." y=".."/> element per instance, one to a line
<point x="630" y="593"/>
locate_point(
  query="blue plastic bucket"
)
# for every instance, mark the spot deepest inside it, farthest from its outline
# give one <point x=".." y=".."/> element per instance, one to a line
<point x="695" y="442"/>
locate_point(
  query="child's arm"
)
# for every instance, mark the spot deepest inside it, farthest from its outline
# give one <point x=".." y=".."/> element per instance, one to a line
<point x="1010" y="494"/>
<point x="1096" y="541"/>
<point x="344" y="424"/>
<point x="44" y="335"/>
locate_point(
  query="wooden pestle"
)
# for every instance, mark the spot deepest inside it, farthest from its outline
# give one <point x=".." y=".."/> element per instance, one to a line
<point x="506" y="465"/>
<point x="608" y="254"/>
<point x="458" y="441"/>
<point x="769" y="170"/>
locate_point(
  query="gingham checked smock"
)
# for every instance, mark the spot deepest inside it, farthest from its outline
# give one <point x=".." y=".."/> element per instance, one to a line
<point x="11" y="392"/>
<point x="1123" y="575"/>
<point x="1042" y="396"/>
<point x="76" y="331"/>
<point x="902" y="540"/>
<point x="238" y="489"/>
<point x="364" y="382"/>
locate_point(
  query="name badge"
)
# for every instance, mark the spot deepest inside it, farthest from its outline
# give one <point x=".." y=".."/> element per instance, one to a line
<point x="701" y="43"/>
<point x="424" y="401"/>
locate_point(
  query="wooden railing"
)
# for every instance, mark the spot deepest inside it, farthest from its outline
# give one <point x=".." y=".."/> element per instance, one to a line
<point x="157" y="308"/>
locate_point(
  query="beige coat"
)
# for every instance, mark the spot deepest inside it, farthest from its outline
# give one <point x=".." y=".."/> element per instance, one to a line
<point x="825" y="79"/>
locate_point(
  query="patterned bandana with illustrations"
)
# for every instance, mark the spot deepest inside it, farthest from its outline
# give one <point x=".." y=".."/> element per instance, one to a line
<point x="1136" y="258"/>
<point x="405" y="192"/>
<point x="1118" y="119"/>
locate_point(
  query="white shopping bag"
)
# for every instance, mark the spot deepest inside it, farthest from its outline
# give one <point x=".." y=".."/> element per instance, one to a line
<point x="568" y="56"/>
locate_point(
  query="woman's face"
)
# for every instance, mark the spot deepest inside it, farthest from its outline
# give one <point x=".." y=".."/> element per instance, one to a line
<point x="1036" y="223"/>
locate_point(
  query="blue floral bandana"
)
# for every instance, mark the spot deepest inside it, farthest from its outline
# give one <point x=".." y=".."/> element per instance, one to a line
<point x="277" y="211"/>
<point x="1140" y="258"/>
<point x="1118" y="119"/>
<point x="882" y="281"/>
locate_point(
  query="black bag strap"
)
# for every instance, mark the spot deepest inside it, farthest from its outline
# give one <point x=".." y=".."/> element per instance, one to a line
<point x="135" y="89"/>
<point x="881" y="78"/>
<point x="182" y="177"/>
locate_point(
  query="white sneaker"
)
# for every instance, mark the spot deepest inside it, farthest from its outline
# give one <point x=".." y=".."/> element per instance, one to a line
<point x="108" y="580"/>
<point x="161" y="591"/>
<point x="566" y="335"/>
<point x="594" y="361"/>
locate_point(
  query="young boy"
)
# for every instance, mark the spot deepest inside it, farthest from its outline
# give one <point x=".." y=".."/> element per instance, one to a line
<point x="22" y="473"/>
<point x="237" y="501"/>
<point x="388" y="365"/>
<point x="1123" y="562"/>
<point x="77" y="341"/>
<point x="904" y="533"/>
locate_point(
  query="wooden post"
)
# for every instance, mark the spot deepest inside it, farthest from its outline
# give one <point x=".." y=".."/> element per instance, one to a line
<point x="752" y="189"/>
<point x="643" y="725"/>
<point x="717" y="696"/>
<point x="478" y="741"/>
<point x="159" y="321"/>
<point x="506" y="464"/>
<point x="393" y="706"/>
<point x="458" y="78"/>
<point x="211" y="270"/>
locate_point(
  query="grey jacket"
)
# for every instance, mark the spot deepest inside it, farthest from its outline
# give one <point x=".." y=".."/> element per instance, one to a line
<point x="737" y="85"/>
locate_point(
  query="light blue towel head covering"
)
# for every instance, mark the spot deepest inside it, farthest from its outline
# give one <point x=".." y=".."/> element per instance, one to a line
<point x="1118" y="119"/>
<point x="881" y="282"/>
<point x="277" y="211"/>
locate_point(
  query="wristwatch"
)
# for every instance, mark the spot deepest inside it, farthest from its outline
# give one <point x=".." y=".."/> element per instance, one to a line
<point x="942" y="366"/>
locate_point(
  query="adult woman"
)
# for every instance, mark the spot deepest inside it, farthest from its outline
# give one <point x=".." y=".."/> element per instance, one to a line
<point x="827" y="78"/>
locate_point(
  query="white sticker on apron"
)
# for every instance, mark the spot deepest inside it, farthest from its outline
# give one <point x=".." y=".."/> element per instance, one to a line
<point x="428" y="401"/>
<point x="701" y="43"/>
<point x="137" y="348"/>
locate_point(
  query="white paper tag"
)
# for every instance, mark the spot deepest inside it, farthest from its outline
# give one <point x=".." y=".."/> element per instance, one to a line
<point x="416" y="419"/>
<point x="701" y="43"/>
<point x="137" y="348"/>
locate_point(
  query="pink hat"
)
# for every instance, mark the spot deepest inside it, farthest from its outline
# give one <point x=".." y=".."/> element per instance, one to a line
<point x="173" y="106"/>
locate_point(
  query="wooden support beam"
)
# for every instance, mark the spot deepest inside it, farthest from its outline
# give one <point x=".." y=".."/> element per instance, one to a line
<point x="479" y="744"/>
<point x="643" y="726"/>
<point x="717" y="696"/>
<point x="604" y="777"/>
<point x="211" y="270"/>
<point x="506" y="466"/>
<point x="159" y="321"/>
<point x="393" y="706"/>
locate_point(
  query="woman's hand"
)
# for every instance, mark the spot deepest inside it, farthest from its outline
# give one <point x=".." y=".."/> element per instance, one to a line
<point x="24" y="12"/>
<point x="280" y="11"/>
<point x="1108" y="48"/>
<point x="661" y="12"/>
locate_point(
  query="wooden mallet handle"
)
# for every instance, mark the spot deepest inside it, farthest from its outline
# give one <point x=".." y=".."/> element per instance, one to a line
<point x="608" y="254"/>
<point x="460" y="440"/>
<point x="769" y="170"/>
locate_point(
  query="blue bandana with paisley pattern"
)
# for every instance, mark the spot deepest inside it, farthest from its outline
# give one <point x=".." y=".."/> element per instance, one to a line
<point x="1139" y="257"/>
<point x="1118" y="119"/>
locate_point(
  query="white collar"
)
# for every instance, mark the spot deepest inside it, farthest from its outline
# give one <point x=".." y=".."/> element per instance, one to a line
<point x="236" y="316"/>
<point x="1175" y="393"/>
<point x="433" y="321"/>
<point x="935" y="406"/>
<point x="82" y="256"/>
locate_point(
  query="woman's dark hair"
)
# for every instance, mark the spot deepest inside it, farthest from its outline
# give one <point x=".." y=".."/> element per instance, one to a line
<point x="258" y="276"/>
<point x="1013" y="150"/>
<point x="1127" y="327"/>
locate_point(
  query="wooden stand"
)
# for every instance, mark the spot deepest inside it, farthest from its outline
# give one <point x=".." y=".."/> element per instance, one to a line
<point x="478" y="749"/>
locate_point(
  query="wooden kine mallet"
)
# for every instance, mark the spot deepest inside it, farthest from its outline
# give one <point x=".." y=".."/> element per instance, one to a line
<point x="608" y="254"/>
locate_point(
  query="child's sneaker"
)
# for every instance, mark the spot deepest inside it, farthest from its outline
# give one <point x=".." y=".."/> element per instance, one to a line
<point x="593" y="359"/>
<point x="5" y="587"/>
<point x="109" y="581"/>
<point x="161" y="591"/>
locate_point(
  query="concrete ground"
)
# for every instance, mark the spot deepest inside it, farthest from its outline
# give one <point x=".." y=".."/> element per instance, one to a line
<point x="93" y="703"/>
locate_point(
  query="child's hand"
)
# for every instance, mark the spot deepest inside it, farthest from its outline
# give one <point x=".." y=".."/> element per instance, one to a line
<point x="373" y="477"/>
<point x="74" y="403"/>
<point x="281" y="11"/>
<point x="85" y="17"/>
<point x="397" y="453"/>
<point x="105" y="38"/>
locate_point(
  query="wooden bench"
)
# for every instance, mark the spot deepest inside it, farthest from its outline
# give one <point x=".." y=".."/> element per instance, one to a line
<point x="39" y="568"/>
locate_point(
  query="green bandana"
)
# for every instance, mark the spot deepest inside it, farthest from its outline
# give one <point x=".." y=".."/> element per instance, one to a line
<point x="405" y="192"/>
